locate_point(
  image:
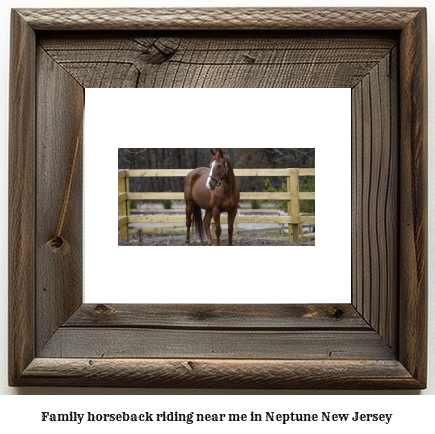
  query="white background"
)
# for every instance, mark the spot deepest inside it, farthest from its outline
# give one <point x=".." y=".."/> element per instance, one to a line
<point x="227" y="118"/>
<point x="414" y="413"/>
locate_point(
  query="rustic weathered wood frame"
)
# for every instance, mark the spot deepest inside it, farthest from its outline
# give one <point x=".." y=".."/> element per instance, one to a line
<point x="377" y="341"/>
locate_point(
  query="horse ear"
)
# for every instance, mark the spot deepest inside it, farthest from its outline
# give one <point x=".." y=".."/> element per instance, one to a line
<point x="213" y="152"/>
<point x="221" y="152"/>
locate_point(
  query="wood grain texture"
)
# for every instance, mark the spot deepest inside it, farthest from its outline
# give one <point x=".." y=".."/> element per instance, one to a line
<point x="21" y="197"/>
<point x="379" y="342"/>
<point x="220" y="317"/>
<point x="214" y="61"/>
<point x="375" y="199"/>
<point x="220" y="18"/>
<point x="413" y="186"/>
<point x="183" y="172"/>
<point x="95" y="342"/>
<point x="58" y="277"/>
<point x="228" y="374"/>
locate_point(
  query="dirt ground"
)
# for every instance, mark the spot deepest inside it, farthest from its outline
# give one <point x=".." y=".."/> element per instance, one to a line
<point x="242" y="241"/>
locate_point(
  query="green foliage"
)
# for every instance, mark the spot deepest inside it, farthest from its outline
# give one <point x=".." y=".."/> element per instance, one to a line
<point x="256" y="204"/>
<point x="306" y="184"/>
<point x="270" y="188"/>
<point x="167" y="203"/>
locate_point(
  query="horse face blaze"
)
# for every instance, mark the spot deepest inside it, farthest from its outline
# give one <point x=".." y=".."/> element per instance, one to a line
<point x="211" y="184"/>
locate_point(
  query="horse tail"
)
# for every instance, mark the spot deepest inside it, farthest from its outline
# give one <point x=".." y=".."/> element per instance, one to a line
<point x="197" y="221"/>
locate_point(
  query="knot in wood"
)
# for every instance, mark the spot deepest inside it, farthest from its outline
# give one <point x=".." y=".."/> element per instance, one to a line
<point x="103" y="309"/>
<point x="338" y="313"/>
<point x="58" y="244"/>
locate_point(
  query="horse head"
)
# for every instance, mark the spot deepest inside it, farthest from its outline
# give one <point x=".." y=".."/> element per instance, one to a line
<point x="218" y="169"/>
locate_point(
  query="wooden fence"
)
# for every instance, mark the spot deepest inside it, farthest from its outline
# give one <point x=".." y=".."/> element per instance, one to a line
<point x="292" y="195"/>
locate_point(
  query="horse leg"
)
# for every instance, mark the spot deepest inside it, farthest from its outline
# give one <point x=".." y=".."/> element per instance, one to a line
<point x="217" y="222"/>
<point x="231" y="217"/>
<point x="189" y="210"/>
<point x="207" y="222"/>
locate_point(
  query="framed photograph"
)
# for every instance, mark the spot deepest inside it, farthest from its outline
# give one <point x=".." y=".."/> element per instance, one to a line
<point x="377" y="340"/>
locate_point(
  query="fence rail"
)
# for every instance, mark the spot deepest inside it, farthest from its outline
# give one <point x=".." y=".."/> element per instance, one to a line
<point x="293" y="197"/>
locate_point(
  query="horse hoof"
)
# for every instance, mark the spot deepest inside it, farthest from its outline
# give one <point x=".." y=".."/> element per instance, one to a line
<point x="187" y="243"/>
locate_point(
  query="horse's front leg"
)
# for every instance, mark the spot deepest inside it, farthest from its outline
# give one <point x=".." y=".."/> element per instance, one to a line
<point x="217" y="222"/>
<point x="231" y="217"/>
<point x="207" y="222"/>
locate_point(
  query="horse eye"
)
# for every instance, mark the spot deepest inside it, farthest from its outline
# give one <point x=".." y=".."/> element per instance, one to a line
<point x="219" y="166"/>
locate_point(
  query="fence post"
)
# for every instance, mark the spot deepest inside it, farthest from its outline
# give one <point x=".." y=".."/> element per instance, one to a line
<point x="293" y="205"/>
<point x="124" y="206"/>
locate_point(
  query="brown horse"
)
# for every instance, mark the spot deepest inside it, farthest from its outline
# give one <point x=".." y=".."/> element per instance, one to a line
<point x="215" y="190"/>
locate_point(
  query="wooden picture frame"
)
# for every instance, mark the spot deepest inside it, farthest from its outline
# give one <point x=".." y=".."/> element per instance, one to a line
<point x="377" y="341"/>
